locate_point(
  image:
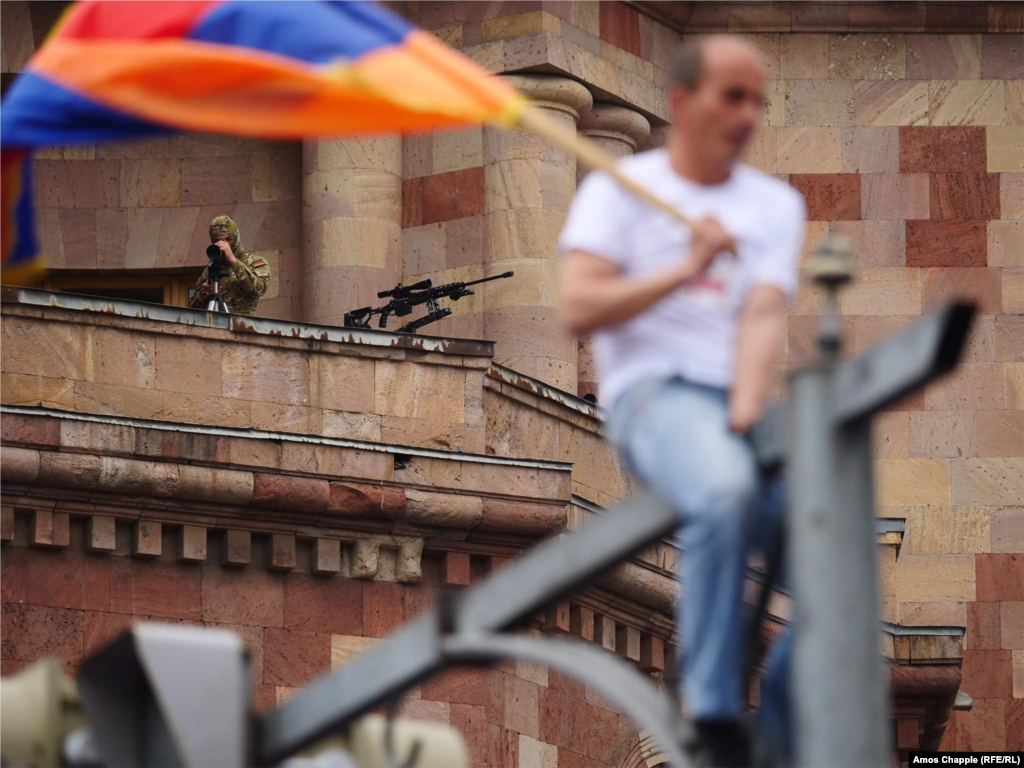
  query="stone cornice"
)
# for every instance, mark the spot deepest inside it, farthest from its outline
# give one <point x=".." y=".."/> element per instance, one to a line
<point x="296" y="473"/>
<point x="561" y="400"/>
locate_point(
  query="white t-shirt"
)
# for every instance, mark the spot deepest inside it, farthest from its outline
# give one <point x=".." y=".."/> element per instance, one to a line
<point x="691" y="332"/>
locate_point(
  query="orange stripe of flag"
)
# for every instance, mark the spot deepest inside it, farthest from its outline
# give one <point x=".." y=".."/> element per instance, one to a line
<point x="205" y="87"/>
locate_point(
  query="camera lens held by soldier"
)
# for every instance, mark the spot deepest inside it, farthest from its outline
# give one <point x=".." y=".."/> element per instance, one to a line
<point x="235" y="279"/>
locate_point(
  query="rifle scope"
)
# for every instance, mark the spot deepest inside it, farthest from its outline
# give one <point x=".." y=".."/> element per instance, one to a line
<point x="403" y="290"/>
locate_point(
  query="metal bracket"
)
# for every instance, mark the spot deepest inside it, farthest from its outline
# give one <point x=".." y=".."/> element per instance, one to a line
<point x="611" y="677"/>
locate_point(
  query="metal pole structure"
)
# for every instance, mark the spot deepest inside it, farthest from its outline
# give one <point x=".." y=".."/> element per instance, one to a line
<point x="841" y="704"/>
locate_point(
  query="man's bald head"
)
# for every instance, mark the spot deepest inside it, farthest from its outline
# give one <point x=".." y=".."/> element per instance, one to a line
<point x="693" y="59"/>
<point x="717" y="95"/>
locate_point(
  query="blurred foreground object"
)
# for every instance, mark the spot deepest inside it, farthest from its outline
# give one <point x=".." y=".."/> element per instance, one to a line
<point x="165" y="694"/>
<point x="40" y="709"/>
<point x="169" y="684"/>
<point x="840" y="695"/>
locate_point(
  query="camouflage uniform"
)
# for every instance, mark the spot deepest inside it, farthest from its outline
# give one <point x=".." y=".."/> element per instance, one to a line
<point x="247" y="279"/>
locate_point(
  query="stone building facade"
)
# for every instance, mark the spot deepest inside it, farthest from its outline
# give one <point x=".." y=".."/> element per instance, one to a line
<point x="251" y="473"/>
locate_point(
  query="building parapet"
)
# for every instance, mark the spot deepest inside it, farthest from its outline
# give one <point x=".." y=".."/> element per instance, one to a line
<point x="242" y="324"/>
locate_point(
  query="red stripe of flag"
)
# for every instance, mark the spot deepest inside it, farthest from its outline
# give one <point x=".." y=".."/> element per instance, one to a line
<point x="132" y="20"/>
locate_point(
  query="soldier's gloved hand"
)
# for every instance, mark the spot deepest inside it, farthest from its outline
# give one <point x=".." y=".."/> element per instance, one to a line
<point x="229" y="256"/>
<point x="205" y="289"/>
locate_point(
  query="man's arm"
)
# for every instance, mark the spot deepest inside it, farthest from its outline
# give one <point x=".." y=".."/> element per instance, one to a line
<point x="596" y="294"/>
<point x="762" y="331"/>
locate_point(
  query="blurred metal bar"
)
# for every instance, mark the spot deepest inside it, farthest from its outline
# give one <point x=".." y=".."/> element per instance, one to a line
<point x="546" y="573"/>
<point x="841" y="711"/>
<point x="839" y="689"/>
<point x="609" y="675"/>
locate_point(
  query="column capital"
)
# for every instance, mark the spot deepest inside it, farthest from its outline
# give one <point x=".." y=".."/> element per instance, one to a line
<point x="659" y="136"/>
<point x="558" y="94"/>
<point x="615" y="123"/>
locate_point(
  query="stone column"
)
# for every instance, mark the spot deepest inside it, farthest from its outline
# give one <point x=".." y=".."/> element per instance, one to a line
<point x="618" y="131"/>
<point x="528" y="185"/>
<point x="351" y="224"/>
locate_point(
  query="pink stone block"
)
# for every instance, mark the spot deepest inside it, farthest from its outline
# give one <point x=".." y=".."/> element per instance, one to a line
<point x="326" y="557"/>
<point x="282" y="552"/>
<point x="455" y="569"/>
<point x="31" y="632"/>
<point x="49" y="529"/>
<point x="192" y="544"/>
<point x="249" y="218"/>
<point x="281" y="227"/>
<point x="943" y="285"/>
<point x="277" y="175"/>
<point x="820" y="17"/>
<point x="216" y="181"/>
<point x="143" y="231"/>
<point x="895" y="196"/>
<point x="383" y="608"/>
<point x="1002" y="57"/>
<point x="111" y="237"/>
<point x="100" y="534"/>
<point x="943" y="57"/>
<point x="870" y="150"/>
<point x="78" y="228"/>
<point x="51" y="240"/>
<point x="604" y="632"/>
<point x="294" y="658"/>
<point x="152" y="182"/>
<point x="873" y="17"/>
<point x="1007" y="530"/>
<point x="417" y="156"/>
<point x="236" y="548"/>
<point x="248" y="596"/>
<point x="6" y="524"/>
<point x="18" y="44"/>
<point x="627" y="642"/>
<point x="176" y="228"/>
<point x="147" y="539"/>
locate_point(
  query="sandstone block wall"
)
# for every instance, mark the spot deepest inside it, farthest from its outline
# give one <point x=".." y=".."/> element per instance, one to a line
<point x="176" y="372"/>
<point x="911" y="143"/>
<point x="147" y="205"/>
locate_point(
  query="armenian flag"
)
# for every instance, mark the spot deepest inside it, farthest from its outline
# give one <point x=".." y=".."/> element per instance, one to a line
<point x="278" y="69"/>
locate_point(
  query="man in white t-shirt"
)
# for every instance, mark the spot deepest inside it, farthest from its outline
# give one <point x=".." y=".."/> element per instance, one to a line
<point x="687" y="326"/>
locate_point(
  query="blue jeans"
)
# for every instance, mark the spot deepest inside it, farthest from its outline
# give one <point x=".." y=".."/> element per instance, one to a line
<point x="674" y="436"/>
